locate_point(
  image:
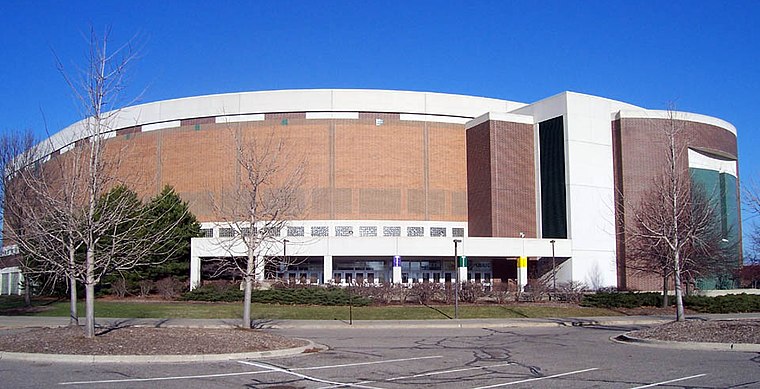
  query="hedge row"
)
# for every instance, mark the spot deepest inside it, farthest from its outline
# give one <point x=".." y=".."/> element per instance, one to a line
<point x="722" y="304"/>
<point x="306" y="296"/>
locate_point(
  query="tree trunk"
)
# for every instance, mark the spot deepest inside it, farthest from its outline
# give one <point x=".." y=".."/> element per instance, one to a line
<point x="679" y="293"/>
<point x="665" y="291"/>
<point x="27" y="291"/>
<point x="247" y="301"/>
<point x="89" y="295"/>
<point x="73" y="316"/>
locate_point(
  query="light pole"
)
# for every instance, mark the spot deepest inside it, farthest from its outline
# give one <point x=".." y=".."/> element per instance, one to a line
<point x="456" y="286"/>
<point x="554" y="268"/>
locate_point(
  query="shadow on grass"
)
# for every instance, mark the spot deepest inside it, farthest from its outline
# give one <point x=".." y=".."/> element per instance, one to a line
<point x="437" y="310"/>
<point x="14" y="305"/>
<point x="514" y="312"/>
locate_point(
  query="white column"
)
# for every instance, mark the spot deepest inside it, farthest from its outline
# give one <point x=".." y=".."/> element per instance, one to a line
<point x="327" y="268"/>
<point x="195" y="272"/>
<point x="396" y="269"/>
<point x="522" y="273"/>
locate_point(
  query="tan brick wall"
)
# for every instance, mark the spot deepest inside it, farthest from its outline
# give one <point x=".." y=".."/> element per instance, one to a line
<point x="354" y="169"/>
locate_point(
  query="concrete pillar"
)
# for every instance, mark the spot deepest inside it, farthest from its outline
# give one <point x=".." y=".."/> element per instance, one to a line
<point x="195" y="272"/>
<point x="327" y="268"/>
<point x="396" y="269"/>
<point x="522" y="273"/>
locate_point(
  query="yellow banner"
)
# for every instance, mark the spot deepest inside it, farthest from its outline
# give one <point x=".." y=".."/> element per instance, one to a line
<point x="522" y="262"/>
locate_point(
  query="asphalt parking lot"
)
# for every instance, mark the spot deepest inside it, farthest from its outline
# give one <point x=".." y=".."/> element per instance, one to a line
<point x="566" y="357"/>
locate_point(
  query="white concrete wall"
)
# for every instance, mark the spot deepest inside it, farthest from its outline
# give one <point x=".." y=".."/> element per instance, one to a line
<point x="589" y="182"/>
<point x="436" y="107"/>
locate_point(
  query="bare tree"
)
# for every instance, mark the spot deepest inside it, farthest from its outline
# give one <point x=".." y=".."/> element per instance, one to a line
<point x="81" y="221"/>
<point x="674" y="226"/>
<point x="264" y="199"/>
<point x="16" y="148"/>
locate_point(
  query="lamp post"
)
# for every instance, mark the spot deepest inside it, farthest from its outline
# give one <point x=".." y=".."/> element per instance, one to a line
<point x="554" y="268"/>
<point x="456" y="286"/>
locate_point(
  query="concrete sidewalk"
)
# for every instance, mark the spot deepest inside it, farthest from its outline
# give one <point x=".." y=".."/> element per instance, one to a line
<point x="47" y="321"/>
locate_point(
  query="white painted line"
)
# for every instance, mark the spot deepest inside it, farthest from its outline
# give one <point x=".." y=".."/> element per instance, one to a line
<point x="304" y="376"/>
<point x="428" y="374"/>
<point x="670" y="381"/>
<point x="189" y="377"/>
<point x="184" y="377"/>
<point x="364" y="363"/>
<point x="537" y="379"/>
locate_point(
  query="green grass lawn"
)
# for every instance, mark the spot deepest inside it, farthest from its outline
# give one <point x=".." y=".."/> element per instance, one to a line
<point x="196" y="310"/>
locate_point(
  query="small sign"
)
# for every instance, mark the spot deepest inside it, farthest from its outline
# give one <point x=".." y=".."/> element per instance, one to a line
<point x="522" y="262"/>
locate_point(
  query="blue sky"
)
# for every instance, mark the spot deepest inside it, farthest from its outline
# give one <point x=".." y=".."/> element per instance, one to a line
<point x="703" y="55"/>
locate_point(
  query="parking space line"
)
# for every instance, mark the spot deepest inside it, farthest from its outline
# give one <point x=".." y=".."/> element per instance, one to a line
<point x="184" y="377"/>
<point x="304" y="376"/>
<point x="428" y="374"/>
<point x="670" y="381"/>
<point x="358" y="363"/>
<point x="190" y="377"/>
<point x="537" y="378"/>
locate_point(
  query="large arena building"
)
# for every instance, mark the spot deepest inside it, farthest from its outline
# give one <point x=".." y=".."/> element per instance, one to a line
<point x="395" y="181"/>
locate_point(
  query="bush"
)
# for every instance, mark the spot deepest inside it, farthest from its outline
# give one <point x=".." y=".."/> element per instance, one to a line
<point x="307" y="295"/>
<point x="168" y="288"/>
<point x="215" y="292"/>
<point x="536" y="290"/>
<point x="731" y="303"/>
<point x="146" y="286"/>
<point x="724" y="304"/>
<point x="622" y="300"/>
<point x="426" y="292"/>
<point x="470" y="292"/>
<point x="572" y="291"/>
<point x="501" y="292"/>
<point x="119" y="287"/>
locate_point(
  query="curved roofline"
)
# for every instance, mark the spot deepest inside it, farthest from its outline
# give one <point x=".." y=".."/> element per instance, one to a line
<point x="677" y="115"/>
<point x="292" y="100"/>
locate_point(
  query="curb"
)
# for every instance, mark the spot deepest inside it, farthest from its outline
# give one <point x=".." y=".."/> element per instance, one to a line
<point x="703" y="346"/>
<point x="548" y="322"/>
<point x="73" y="358"/>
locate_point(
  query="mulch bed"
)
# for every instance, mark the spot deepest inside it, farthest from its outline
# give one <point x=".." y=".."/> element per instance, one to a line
<point x="714" y="331"/>
<point x="142" y="341"/>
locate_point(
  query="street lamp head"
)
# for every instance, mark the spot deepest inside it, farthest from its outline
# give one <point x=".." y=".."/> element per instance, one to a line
<point x="552" y="241"/>
<point x="522" y="234"/>
<point x="285" y="241"/>
<point x="457" y="240"/>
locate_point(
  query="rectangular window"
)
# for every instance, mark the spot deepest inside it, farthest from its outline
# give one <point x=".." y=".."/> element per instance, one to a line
<point x="391" y="231"/>
<point x="551" y="135"/>
<point x="437" y="232"/>
<point x="207" y="232"/>
<point x="295" y="231"/>
<point x="270" y="231"/>
<point x="226" y="233"/>
<point x="344" y="230"/>
<point x="320" y="231"/>
<point x="245" y="231"/>
<point x="457" y="232"/>
<point x="415" y="231"/>
<point x="367" y="231"/>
